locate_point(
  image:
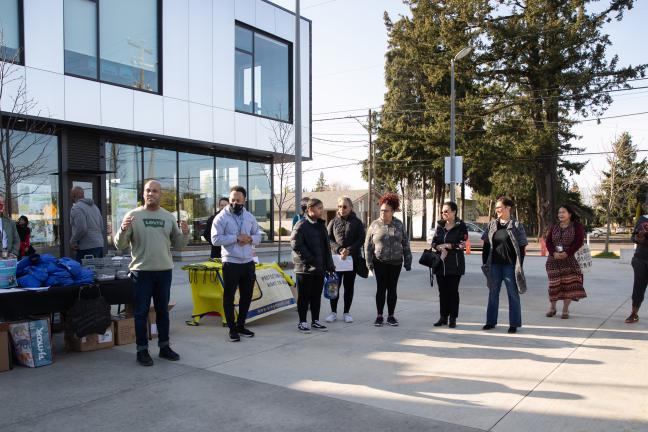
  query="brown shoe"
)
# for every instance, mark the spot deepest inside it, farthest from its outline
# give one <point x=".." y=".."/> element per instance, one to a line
<point x="565" y="315"/>
<point x="551" y="313"/>
<point x="633" y="318"/>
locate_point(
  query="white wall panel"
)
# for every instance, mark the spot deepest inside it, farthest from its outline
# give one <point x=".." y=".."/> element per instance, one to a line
<point x="305" y="70"/>
<point x="200" y="122"/>
<point x="47" y="90"/>
<point x="245" y="129"/>
<point x="148" y="113"/>
<point x="117" y="107"/>
<point x="223" y="54"/>
<point x="246" y="11"/>
<point x="224" y="126"/>
<point x="175" y="41"/>
<point x="82" y="101"/>
<point x="200" y="51"/>
<point x="285" y="25"/>
<point x="306" y="141"/>
<point x="264" y="134"/>
<point x="265" y="16"/>
<point x="44" y="34"/>
<point x="12" y="86"/>
<point x="176" y="118"/>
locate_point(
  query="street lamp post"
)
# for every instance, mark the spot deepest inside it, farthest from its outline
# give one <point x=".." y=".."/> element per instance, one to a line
<point x="297" y="113"/>
<point x="461" y="54"/>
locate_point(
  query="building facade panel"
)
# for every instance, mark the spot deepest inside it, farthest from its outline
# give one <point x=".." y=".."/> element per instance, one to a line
<point x="265" y="17"/>
<point x="201" y="122"/>
<point x="175" y="48"/>
<point x="246" y="11"/>
<point x="47" y="90"/>
<point x="285" y="25"/>
<point x="43" y="31"/>
<point x="117" y="107"/>
<point x="245" y="130"/>
<point x="223" y="54"/>
<point x="148" y="113"/>
<point x="176" y="118"/>
<point x="224" y="131"/>
<point x="200" y="52"/>
<point x="82" y="101"/>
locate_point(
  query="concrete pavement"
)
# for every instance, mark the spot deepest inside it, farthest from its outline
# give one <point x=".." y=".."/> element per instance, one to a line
<point x="586" y="373"/>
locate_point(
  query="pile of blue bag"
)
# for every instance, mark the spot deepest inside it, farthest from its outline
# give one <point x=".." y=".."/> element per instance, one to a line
<point x="47" y="270"/>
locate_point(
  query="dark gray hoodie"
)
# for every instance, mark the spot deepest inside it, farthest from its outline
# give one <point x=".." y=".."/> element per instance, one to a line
<point x="87" y="225"/>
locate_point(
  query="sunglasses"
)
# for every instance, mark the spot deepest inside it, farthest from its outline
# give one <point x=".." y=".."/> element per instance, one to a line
<point x="343" y="207"/>
<point x="446" y="211"/>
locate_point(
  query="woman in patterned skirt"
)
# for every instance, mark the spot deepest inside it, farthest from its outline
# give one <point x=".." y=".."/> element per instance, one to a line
<point x="565" y="275"/>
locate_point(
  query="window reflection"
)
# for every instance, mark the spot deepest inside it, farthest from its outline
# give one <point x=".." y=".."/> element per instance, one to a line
<point x="123" y="183"/>
<point x="160" y="165"/>
<point x="80" y="30"/>
<point x="10" y="30"/>
<point x="196" y="185"/>
<point x="260" y="195"/>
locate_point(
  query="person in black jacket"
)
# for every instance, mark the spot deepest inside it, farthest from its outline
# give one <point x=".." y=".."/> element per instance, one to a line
<point x="215" y="250"/>
<point x="450" y="241"/>
<point x="346" y="234"/>
<point x="639" y="266"/>
<point x="312" y="258"/>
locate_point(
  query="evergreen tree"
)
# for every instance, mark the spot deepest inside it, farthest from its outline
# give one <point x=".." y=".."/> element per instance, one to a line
<point x="321" y="185"/>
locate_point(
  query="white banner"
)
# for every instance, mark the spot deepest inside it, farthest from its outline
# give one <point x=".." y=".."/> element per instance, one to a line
<point x="272" y="294"/>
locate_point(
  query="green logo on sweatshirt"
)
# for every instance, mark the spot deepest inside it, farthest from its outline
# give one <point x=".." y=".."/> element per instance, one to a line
<point x="153" y="223"/>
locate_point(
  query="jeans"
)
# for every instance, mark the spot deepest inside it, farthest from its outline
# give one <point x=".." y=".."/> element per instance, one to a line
<point x="309" y="289"/>
<point x="506" y="273"/>
<point x="448" y="295"/>
<point x="241" y="276"/>
<point x="348" y="279"/>
<point x="386" y="281"/>
<point x="640" y="268"/>
<point x="95" y="252"/>
<point x="155" y="284"/>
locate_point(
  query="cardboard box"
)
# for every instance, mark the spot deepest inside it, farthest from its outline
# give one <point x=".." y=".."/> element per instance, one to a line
<point x="5" y="348"/>
<point x="152" y="318"/>
<point x="32" y="342"/>
<point x="91" y="342"/>
<point x="124" y="330"/>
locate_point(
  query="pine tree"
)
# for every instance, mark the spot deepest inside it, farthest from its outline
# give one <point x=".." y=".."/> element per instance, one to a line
<point x="321" y="185"/>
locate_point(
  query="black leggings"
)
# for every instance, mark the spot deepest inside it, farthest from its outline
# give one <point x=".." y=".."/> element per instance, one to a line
<point x="348" y="279"/>
<point x="640" y="268"/>
<point x="386" y="281"/>
<point x="448" y="295"/>
<point x="309" y="293"/>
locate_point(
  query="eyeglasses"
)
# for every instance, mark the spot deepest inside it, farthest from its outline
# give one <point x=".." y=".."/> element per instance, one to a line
<point x="446" y="211"/>
<point x="342" y="207"/>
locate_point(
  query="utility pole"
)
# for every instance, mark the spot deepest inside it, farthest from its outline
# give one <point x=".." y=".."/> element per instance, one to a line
<point x="298" y="113"/>
<point x="370" y="169"/>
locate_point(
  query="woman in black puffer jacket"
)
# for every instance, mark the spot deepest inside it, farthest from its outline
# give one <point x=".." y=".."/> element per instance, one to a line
<point x="312" y="259"/>
<point x="450" y="241"/>
<point x="346" y="234"/>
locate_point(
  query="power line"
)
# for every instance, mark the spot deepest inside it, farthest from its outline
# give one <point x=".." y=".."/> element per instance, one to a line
<point x="337" y="157"/>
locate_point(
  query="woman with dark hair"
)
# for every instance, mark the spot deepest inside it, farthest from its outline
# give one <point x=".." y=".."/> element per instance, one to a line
<point x="504" y="247"/>
<point x="24" y="232"/>
<point x="565" y="276"/>
<point x="639" y="265"/>
<point x="386" y="250"/>
<point x="346" y="234"/>
<point x="450" y="241"/>
<point x="215" y="250"/>
<point x="312" y="257"/>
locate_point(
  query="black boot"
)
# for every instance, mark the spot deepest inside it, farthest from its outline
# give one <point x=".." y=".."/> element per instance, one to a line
<point x="453" y="322"/>
<point x="442" y="321"/>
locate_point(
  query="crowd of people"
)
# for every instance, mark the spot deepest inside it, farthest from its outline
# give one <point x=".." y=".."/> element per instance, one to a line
<point x="382" y="249"/>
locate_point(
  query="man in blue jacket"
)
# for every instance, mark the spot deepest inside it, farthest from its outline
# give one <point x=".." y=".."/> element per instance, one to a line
<point x="236" y="230"/>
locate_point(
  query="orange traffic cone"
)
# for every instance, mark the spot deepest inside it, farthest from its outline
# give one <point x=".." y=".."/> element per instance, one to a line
<point x="467" y="246"/>
<point x="543" y="247"/>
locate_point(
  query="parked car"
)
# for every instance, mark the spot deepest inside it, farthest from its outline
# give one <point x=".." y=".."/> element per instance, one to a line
<point x="598" y="232"/>
<point x="622" y="230"/>
<point x="474" y="235"/>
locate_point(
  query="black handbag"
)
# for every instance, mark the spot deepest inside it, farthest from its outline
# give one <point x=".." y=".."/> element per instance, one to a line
<point x="89" y="315"/>
<point x="361" y="268"/>
<point x="430" y="259"/>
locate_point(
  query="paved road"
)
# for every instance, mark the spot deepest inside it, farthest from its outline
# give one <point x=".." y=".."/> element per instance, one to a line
<point x="588" y="373"/>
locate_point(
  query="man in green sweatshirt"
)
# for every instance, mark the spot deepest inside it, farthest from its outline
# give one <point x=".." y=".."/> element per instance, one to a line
<point x="150" y="231"/>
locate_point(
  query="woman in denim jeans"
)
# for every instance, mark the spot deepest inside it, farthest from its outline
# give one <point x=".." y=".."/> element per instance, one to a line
<point x="504" y="248"/>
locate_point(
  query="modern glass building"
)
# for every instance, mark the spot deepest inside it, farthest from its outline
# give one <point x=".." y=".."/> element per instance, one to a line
<point x="105" y="94"/>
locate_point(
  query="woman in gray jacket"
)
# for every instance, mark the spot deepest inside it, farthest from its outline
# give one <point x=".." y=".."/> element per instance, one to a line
<point x="504" y="247"/>
<point x="386" y="250"/>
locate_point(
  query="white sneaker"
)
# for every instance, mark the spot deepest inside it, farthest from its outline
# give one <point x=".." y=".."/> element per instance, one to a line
<point x="332" y="317"/>
<point x="348" y="318"/>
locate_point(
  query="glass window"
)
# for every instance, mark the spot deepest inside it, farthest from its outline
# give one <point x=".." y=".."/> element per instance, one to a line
<point x="161" y="165"/>
<point x="80" y="30"/>
<point x="243" y="82"/>
<point x="124" y="187"/>
<point x="271" y="78"/>
<point x="230" y="172"/>
<point x="33" y="187"/>
<point x="129" y="41"/>
<point x="196" y="185"/>
<point x="10" y="30"/>
<point x="243" y="39"/>
<point x="262" y="75"/>
<point x="260" y="195"/>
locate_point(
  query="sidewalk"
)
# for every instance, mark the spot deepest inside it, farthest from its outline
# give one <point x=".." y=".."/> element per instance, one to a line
<point x="586" y="373"/>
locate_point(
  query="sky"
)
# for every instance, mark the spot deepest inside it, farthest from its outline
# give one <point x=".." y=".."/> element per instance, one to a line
<point x="349" y="45"/>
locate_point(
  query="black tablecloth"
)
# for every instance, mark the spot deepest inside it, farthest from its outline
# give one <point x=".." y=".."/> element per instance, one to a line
<point x="18" y="305"/>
